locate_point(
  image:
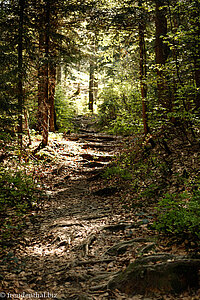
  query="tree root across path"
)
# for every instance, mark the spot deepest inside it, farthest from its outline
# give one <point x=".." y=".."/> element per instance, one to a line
<point x="164" y="277"/>
<point x="84" y="244"/>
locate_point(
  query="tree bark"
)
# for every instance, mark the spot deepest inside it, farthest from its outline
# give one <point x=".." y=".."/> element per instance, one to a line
<point x="196" y="25"/>
<point x="46" y="104"/>
<point x="41" y="74"/>
<point x="27" y="126"/>
<point x="47" y="71"/>
<point x="41" y="65"/>
<point x="143" y="74"/>
<point x="93" y="82"/>
<point x="52" y="85"/>
<point x="91" y="86"/>
<point x="59" y="74"/>
<point x="161" y="53"/>
<point x="20" y="71"/>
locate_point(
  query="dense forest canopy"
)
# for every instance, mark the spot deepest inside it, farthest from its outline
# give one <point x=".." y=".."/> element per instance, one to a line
<point x="139" y="59"/>
<point x="99" y="143"/>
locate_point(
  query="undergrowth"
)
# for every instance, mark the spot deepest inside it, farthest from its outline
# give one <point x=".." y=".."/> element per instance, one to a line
<point x="119" y="111"/>
<point x="65" y="111"/>
<point x="179" y="214"/>
<point x="19" y="196"/>
<point x="168" y="182"/>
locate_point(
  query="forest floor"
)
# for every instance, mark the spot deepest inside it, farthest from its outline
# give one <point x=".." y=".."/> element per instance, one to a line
<point x="85" y="232"/>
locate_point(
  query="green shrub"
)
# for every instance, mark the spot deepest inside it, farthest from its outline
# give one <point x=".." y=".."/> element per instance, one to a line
<point x="125" y="124"/>
<point x="18" y="196"/>
<point x="17" y="190"/>
<point x="179" y="214"/>
<point x="65" y="110"/>
<point x="120" y="109"/>
<point x="117" y="171"/>
<point x="109" y="105"/>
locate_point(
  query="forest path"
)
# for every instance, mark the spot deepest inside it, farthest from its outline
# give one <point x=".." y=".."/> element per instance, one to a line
<point x="63" y="249"/>
<point x="64" y="252"/>
<point x="65" y="242"/>
<point x="86" y="231"/>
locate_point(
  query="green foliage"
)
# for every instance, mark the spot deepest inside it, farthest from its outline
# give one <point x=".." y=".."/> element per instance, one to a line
<point x="153" y="176"/>
<point x="18" y="196"/>
<point x="148" y="172"/>
<point x="65" y="110"/>
<point x="17" y="190"/>
<point x="108" y="109"/>
<point x="179" y="214"/>
<point x="117" y="171"/>
<point x="150" y="191"/>
<point x="120" y="109"/>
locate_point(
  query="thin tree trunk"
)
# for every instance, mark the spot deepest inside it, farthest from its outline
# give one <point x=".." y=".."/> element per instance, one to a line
<point x="59" y="74"/>
<point x="196" y="51"/>
<point x="27" y="126"/>
<point x="41" y="70"/>
<point x="20" y="71"/>
<point x="161" y="52"/>
<point x="91" y="86"/>
<point x="143" y="73"/>
<point x="93" y="83"/>
<point x="143" y="68"/>
<point x="53" y="67"/>
<point x="96" y="84"/>
<point x="46" y="106"/>
<point x="197" y="80"/>
<point x="52" y="85"/>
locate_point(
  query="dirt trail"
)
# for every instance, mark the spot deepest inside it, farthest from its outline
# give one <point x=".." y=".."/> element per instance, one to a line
<point x="84" y="234"/>
<point x="62" y="252"/>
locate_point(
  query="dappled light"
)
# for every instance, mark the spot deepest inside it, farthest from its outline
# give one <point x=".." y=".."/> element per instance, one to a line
<point x="88" y="228"/>
<point x="99" y="150"/>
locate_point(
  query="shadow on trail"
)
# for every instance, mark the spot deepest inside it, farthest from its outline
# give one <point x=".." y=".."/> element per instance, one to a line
<point x="63" y="247"/>
<point x="87" y="233"/>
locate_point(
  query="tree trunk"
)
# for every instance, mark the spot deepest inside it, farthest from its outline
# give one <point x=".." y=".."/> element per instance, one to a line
<point x="27" y="126"/>
<point x="143" y="73"/>
<point x="41" y="68"/>
<point x="91" y="86"/>
<point x="53" y="67"/>
<point x="161" y="52"/>
<point x="196" y="25"/>
<point x="46" y="72"/>
<point x="59" y="74"/>
<point x="93" y="82"/>
<point x="52" y="85"/>
<point x="197" y="80"/>
<point x="46" y="104"/>
<point x="20" y="71"/>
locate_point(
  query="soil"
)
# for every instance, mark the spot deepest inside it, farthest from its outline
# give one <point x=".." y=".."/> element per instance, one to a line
<point x="85" y="233"/>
